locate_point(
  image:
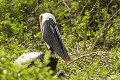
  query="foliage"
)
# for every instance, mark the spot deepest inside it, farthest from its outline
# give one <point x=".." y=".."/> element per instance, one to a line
<point x="90" y="30"/>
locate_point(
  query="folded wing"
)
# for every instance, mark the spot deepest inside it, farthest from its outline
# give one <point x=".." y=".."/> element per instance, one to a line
<point x="51" y="36"/>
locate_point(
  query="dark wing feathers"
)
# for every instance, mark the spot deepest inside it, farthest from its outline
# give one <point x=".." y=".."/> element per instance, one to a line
<point x="52" y="38"/>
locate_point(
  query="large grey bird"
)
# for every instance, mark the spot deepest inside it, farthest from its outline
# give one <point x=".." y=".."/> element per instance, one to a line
<point x="51" y="35"/>
<point x="29" y="58"/>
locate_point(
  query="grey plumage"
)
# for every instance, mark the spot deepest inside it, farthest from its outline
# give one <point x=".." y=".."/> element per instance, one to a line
<point x="53" y="39"/>
<point x="29" y="57"/>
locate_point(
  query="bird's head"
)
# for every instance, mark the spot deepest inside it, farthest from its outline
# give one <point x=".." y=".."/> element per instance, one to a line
<point x="45" y="16"/>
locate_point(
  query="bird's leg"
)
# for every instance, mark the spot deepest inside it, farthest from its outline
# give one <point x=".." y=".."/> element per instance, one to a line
<point x="53" y="63"/>
<point x="53" y="60"/>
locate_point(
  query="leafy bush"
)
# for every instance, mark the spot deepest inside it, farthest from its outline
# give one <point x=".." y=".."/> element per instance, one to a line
<point x="90" y="30"/>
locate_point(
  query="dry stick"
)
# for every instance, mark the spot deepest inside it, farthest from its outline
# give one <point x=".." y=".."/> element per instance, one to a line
<point x="74" y="52"/>
<point x="109" y="4"/>
<point x="80" y="46"/>
<point x="92" y="9"/>
<point x="94" y="41"/>
<point x="67" y="6"/>
<point x="86" y="19"/>
<point x="82" y="10"/>
<point x="85" y="34"/>
<point x="87" y="55"/>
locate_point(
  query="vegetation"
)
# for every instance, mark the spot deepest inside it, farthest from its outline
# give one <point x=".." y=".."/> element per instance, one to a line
<point x="90" y="30"/>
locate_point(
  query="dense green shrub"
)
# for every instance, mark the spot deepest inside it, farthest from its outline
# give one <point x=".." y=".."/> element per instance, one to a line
<point x="90" y="30"/>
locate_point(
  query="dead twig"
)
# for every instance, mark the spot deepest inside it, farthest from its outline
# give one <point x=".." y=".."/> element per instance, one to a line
<point x="92" y="9"/>
<point x="85" y="32"/>
<point x="100" y="33"/>
<point x="67" y="6"/>
<point x="82" y="10"/>
<point x="87" y="55"/>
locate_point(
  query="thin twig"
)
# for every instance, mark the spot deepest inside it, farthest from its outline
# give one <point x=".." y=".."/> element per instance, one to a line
<point x="78" y="58"/>
<point x="74" y="52"/>
<point x="92" y="8"/>
<point x="100" y="33"/>
<point x="67" y="6"/>
<point x="82" y="10"/>
<point x="85" y="32"/>
<point x="87" y="55"/>
<point x="109" y="4"/>
<point x="114" y="14"/>
<point x="81" y="48"/>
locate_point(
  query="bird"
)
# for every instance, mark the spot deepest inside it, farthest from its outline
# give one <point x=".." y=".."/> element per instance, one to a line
<point x="51" y="36"/>
<point x="29" y="58"/>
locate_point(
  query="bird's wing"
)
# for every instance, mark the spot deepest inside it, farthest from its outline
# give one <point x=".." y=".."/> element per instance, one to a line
<point x="29" y="57"/>
<point x="52" y="38"/>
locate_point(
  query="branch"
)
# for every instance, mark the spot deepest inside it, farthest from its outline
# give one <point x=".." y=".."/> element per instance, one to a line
<point x="94" y="41"/>
<point x="82" y="10"/>
<point x="87" y="55"/>
<point x="67" y="6"/>
<point x="85" y="32"/>
<point x="92" y="8"/>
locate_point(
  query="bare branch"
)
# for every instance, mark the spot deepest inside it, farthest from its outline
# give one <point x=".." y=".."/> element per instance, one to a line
<point x="92" y="8"/>
<point x="67" y="6"/>
<point x="94" y="41"/>
<point x="87" y="55"/>
<point x="82" y="9"/>
<point x="85" y="32"/>
<point x="109" y="4"/>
